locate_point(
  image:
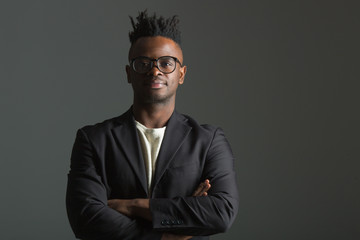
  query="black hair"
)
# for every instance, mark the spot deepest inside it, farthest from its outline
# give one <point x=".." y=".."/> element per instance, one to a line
<point x="151" y="26"/>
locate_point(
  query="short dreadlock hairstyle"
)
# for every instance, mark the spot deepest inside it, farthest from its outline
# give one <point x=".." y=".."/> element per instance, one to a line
<point x="151" y="26"/>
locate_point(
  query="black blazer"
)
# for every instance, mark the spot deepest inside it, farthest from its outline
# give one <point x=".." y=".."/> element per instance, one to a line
<point x="107" y="163"/>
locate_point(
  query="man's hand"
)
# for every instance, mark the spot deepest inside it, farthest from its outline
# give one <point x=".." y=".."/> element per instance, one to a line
<point x="121" y="205"/>
<point x="138" y="207"/>
<point x="202" y="189"/>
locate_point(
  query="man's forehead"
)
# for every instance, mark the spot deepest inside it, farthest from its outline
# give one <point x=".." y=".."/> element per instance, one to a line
<point x="155" y="47"/>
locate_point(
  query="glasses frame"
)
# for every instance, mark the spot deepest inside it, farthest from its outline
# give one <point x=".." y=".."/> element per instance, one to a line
<point x="152" y="60"/>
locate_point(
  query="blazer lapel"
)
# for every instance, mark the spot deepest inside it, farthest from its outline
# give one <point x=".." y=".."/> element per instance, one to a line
<point x="128" y="141"/>
<point x="175" y="135"/>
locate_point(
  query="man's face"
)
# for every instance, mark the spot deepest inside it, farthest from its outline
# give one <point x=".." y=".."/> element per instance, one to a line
<point x="155" y="86"/>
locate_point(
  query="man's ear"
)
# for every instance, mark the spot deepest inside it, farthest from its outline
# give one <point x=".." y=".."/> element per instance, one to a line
<point x="127" y="69"/>
<point x="182" y="74"/>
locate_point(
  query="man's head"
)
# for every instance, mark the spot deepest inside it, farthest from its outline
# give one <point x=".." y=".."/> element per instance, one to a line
<point x="155" y="59"/>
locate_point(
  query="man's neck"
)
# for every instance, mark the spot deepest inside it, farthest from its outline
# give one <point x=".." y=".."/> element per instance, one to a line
<point x="153" y="115"/>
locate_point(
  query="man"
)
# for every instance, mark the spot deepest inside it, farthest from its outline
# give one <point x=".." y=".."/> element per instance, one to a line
<point x="147" y="173"/>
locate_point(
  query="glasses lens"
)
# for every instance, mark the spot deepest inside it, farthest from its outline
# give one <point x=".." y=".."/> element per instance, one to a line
<point x="142" y="65"/>
<point x="166" y="64"/>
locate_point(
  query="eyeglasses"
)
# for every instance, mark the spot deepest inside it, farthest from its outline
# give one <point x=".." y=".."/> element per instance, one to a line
<point x="165" y="64"/>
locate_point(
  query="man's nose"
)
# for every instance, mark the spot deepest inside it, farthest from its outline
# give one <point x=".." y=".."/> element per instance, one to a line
<point x="154" y="71"/>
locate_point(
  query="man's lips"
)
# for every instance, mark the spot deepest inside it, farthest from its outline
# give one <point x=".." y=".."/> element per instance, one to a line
<point x="155" y="84"/>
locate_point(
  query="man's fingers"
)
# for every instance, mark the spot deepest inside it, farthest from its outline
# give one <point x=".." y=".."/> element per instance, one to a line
<point x="205" y="186"/>
<point x="202" y="189"/>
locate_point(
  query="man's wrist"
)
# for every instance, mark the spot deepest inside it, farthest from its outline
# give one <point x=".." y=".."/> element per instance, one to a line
<point x="140" y="207"/>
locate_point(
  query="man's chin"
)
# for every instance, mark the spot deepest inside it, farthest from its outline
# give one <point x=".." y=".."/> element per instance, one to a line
<point x="157" y="99"/>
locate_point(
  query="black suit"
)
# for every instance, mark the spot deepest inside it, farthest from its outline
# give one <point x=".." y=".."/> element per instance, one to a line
<point x="107" y="163"/>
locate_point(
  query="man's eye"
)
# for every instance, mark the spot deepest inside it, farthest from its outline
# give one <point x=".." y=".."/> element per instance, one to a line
<point x="143" y="64"/>
<point x="166" y="63"/>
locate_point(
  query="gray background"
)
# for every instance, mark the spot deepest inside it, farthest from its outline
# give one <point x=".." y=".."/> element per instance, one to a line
<point x="280" y="77"/>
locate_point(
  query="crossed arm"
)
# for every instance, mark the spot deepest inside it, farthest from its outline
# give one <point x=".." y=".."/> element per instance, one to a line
<point x="140" y="208"/>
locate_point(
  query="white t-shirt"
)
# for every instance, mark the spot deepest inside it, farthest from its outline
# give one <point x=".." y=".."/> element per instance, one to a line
<point x="150" y="139"/>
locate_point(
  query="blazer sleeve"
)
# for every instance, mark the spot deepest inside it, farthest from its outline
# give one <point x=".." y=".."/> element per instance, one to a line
<point x="86" y="201"/>
<point x="203" y="215"/>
